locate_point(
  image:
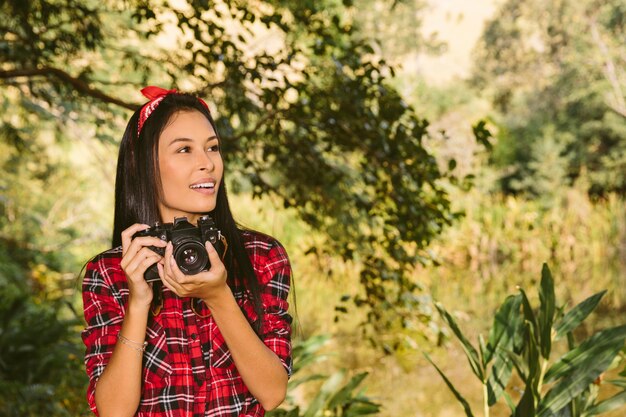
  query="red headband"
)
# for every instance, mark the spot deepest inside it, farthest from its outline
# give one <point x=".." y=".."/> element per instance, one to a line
<point x="155" y="95"/>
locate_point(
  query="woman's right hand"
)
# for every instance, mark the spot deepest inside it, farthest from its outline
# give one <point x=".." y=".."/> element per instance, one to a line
<point x="136" y="259"/>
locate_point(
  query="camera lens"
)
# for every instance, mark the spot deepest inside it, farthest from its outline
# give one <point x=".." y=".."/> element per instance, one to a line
<point x="191" y="257"/>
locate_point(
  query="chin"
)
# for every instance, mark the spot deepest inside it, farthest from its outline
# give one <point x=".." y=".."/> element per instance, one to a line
<point x="201" y="211"/>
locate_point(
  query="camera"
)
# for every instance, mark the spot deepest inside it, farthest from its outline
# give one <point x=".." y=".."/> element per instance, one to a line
<point x="188" y="244"/>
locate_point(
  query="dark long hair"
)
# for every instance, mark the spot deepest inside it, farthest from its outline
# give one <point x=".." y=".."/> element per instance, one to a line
<point x="138" y="190"/>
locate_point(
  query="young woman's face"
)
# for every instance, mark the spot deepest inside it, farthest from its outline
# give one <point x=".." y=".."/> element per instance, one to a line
<point x="191" y="167"/>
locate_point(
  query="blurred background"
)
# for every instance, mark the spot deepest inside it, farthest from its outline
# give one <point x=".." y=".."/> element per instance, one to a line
<point x="404" y="152"/>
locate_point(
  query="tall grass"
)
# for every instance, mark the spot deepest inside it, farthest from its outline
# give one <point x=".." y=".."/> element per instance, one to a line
<point x="500" y="243"/>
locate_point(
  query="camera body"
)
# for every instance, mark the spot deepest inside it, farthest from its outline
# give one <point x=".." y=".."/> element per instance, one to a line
<point x="188" y="244"/>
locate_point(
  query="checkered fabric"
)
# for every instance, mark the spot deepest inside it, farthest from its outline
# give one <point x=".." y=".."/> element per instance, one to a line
<point x="187" y="367"/>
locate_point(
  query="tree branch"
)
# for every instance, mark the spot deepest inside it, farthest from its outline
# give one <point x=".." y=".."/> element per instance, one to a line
<point x="77" y="84"/>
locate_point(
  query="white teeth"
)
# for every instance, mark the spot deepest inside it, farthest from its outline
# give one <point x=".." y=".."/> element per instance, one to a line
<point x="203" y="185"/>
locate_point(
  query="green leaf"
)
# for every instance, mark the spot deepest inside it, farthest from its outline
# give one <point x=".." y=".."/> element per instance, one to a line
<point x="457" y="394"/>
<point x="547" y="308"/>
<point x="617" y="382"/>
<point x="470" y="351"/>
<point x="498" y="377"/>
<point x="610" y="404"/>
<point x="279" y="412"/>
<point x="482" y="350"/>
<point x="529" y="370"/>
<point x="526" y="405"/>
<point x="509" y="402"/>
<point x="295" y="382"/>
<point x="580" y="367"/>
<point x="482" y="134"/>
<point x="576" y="315"/>
<point x="529" y="315"/>
<point x="520" y="365"/>
<point x="294" y="413"/>
<point x="586" y="352"/>
<point x="362" y="408"/>
<point x="533" y="357"/>
<point x="317" y="405"/>
<point x="305" y="352"/>
<point x="505" y="325"/>
<point x="344" y="394"/>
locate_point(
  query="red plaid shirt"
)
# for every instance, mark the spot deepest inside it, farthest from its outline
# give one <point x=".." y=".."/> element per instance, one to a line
<point x="187" y="367"/>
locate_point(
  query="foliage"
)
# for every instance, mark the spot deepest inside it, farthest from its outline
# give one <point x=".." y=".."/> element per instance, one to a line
<point x="306" y="113"/>
<point x="509" y="233"/>
<point x="41" y="366"/>
<point x="523" y="338"/>
<point x="394" y="28"/>
<point x="45" y="234"/>
<point x="555" y="73"/>
<point x="335" y="397"/>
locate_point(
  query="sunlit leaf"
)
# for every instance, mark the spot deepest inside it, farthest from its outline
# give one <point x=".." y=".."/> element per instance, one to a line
<point x="318" y="403"/>
<point x="509" y="402"/>
<point x="587" y="353"/>
<point x="482" y="351"/>
<point x="617" y="382"/>
<point x="346" y="392"/>
<point x="457" y="394"/>
<point x="529" y="314"/>
<point x="470" y="351"/>
<point x="581" y="367"/>
<point x="499" y="377"/>
<point x="576" y="315"/>
<point x="505" y="325"/>
<point x="610" y="404"/>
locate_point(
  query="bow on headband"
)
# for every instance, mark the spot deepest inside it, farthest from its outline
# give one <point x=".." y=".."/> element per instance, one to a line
<point x="155" y="95"/>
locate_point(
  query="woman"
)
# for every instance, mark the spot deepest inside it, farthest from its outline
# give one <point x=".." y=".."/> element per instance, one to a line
<point x="212" y="344"/>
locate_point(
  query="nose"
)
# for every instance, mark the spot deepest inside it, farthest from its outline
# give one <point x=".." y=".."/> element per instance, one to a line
<point x="205" y="162"/>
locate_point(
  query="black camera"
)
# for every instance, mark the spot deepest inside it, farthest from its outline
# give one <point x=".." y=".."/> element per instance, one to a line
<point x="188" y="244"/>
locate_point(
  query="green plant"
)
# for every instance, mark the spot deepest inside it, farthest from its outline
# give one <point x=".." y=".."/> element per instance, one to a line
<point x="317" y="96"/>
<point x="41" y="367"/>
<point x="523" y="339"/>
<point x="335" y="397"/>
<point x="543" y="65"/>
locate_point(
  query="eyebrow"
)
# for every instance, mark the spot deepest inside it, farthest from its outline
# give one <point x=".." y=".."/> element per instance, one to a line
<point x="184" y="139"/>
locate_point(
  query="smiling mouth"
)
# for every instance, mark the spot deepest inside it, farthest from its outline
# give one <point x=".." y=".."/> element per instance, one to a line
<point x="204" y="185"/>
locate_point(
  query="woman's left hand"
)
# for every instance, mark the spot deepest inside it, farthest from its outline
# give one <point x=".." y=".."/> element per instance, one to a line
<point x="204" y="285"/>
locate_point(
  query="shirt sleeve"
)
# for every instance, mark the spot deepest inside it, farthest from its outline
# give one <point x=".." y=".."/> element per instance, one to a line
<point x="103" y="315"/>
<point x="276" y="324"/>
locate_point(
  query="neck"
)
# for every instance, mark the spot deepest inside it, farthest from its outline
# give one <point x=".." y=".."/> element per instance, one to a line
<point x="191" y="217"/>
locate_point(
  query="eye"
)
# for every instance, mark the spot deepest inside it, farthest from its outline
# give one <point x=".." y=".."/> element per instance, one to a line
<point x="184" y="149"/>
<point x="214" y="148"/>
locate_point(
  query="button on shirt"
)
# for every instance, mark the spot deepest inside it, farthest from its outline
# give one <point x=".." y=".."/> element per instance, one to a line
<point x="187" y="367"/>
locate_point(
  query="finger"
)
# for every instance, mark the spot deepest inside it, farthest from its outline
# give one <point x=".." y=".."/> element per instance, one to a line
<point x="132" y="256"/>
<point x="144" y="265"/>
<point x="127" y="235"/>
<point x="167" y="260"/>
<point x="132" y="263"/>
<point x="214" y="257"/>
<point x="139" y="243"/>
<point x="173" y="268"/>
<point x="143" y="241"/>
<point x="141" y="262"/>
<point x="167" y="281"/>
